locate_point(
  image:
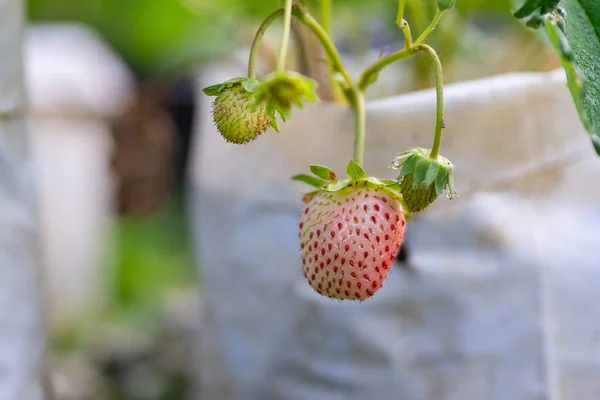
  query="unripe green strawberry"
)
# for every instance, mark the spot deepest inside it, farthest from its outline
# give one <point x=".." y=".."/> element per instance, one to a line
<point x="416" y="198"/>
<point x="236" y="115"/>
<point x="350" y="233"/>
<point x="422" y="178"/>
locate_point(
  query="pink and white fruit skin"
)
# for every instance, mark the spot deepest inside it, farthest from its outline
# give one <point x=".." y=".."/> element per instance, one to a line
<point x="349" y="240"/>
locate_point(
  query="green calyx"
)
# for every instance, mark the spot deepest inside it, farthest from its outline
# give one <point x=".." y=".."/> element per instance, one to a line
<point x="280" y="91"/>
<point x="422" y="179"/>
<point x="446" y="4"/>
<point x="236" y="115"/>
<point x="323" y="178"/>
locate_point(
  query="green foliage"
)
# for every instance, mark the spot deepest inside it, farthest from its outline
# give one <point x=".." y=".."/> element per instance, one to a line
<point x="355" y="171"/>
<point x="583" y="32"/>
<point x="536" y="6"/>
<point x="323" y="172"/>
<point x="445" y="4"/>
<point x="575" y="35"/>
<point x="309" y="180"/>
<point x="154" y="255"/>
<point x="158" y="37"/>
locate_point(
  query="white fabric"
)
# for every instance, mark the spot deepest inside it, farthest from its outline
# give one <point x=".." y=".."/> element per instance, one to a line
<point x="21" y="327"/>
<point x="500" y="302"/>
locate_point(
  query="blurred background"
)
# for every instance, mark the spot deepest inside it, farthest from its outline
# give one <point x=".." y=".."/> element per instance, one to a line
<point x="112" y="87"/>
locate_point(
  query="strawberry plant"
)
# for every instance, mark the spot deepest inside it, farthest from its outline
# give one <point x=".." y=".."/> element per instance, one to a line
<point x="351" y="229"/>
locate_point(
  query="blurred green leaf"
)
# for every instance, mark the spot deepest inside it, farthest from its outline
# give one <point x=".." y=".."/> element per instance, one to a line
<point x="583" y="33"/>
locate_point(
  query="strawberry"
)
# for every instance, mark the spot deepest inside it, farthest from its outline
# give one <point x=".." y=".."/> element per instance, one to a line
<point x="236" y="113"/>
<point x="422" y="178"/>
<point x="350" y="233"/>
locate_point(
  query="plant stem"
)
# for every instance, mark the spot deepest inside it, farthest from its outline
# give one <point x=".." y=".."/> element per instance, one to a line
<point x="257" y="40"/>
<point x="356" y="96"/>
<point x="366" y="77"/>
<point x="326" y="6"/>
<point x="285" y="36"/>
<point x="439" y="89"/>
<point x="401" y="7"/>
<point x="408" y="43"/>
<point x="431" y="27"/>
<point x="330" y="49"/>
<point x="360" y="121"/>
<point x="326" y="12"/>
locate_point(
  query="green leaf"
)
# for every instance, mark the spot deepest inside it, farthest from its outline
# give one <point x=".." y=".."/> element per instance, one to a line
<point x="213" y="90"/>
<point x="274" y="125"/>
<point x="355" y="171"/>
<point x="531" y="6"/>
<point x="338" y="185"/>
<point x="409" y="166"/>
<point x="374" y="181"/>
<point x="323" y="172"/>
<point x="284" y="113"/>
<point x="310" y="180"/>
<point x="451" y="191"/>
<point x="441" y="181"/>
<point x="251" y="85"/>
<point x="583" y="33"/>
<point x="420" y="171"/>
<point x="431" y="174"/>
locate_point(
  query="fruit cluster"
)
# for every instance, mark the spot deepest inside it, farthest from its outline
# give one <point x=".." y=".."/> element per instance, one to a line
<point x="350" y="229"/>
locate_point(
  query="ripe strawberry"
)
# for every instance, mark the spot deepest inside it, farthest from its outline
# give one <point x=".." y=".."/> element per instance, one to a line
<point x="350" y="233"/>
<point x="236" y="113"/>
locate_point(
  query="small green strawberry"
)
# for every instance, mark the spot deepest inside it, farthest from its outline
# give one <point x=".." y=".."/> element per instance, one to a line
<point x="236" y="115"/>
<point x="350" y="232"/>
<point x="279" y="91"/>
<point x="422" y="179"/>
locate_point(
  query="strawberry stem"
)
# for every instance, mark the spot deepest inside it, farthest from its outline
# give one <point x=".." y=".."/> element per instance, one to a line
<point x="355" y="95"/>
<point x="431" y="27"/>
<point x="439" y="89"/>
<point x="358" y="101"/>
<point x="326" y="12"/>
<point x="258" y="39"/>
<point x="368" y="76"/>
<point x="332" y="53"/>
<point x="326" y="7"/>
<point x="401" y="7"/>
<point x="285" y="37"/>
